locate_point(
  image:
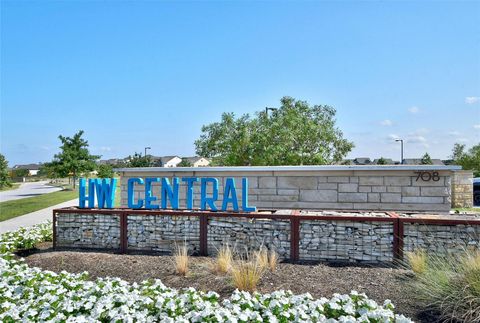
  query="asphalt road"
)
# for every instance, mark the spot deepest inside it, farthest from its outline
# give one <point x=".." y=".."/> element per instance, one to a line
<point x="28" y="190"/>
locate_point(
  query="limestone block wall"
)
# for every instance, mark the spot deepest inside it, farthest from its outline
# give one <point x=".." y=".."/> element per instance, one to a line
<point x="163" y="233"/>
<point x="397" y="188"/>
<point x="441" y="238"/>
<point x="247" y="235"/>
<point x="462" y="189"/>
<point x="88" y="231"/>
<point x="346" y="241"/>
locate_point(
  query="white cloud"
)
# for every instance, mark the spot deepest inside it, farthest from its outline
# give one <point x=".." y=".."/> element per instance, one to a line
<point x="472" y="99"/>
<point x="462" y="140"/>
<point x="454" y="133"/>
<point x="476" y="126"/>
<point x="101" y="149"/>
<point x="386" y="123"/>
<point x="416" y="139"/>
<point x="420" y="132"/>
<point x="393" y="137"/>
<point x="414" y="110"/>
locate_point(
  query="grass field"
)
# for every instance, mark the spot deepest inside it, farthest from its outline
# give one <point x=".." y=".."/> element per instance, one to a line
<point x="13" y="187"/>
<point x="11" y="209"/>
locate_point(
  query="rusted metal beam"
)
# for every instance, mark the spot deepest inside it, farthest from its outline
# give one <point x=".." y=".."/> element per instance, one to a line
<point x="54" y="229"/>
<point x="294" y="236"/>
<point x="123" y="232"/>
<point x="204" y="235"/>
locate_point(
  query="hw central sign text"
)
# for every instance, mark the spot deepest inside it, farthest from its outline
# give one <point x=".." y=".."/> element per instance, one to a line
<point x="168" y="194"/>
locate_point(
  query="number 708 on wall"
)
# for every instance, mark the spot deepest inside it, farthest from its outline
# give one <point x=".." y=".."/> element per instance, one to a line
<point x="427" y="176"/>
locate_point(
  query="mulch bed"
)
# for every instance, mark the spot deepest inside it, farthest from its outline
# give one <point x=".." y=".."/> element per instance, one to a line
<point x="321" y="280"/>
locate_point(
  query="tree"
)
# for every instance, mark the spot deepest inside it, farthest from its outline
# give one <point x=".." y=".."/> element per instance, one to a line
<point x="4" y="178"/>
<point x="105" y="171"/>
<point x="185" y="163"/>
<point x="294" y="134"/>
<point x="426" y="160"/>
<point x="381" y="161"/>
<point x="20" y="172"/>
<point x="469" y="160"/>
<point x="74" y="159"/>
<point x="137" y="160"/>
<point x="47" y="170"/>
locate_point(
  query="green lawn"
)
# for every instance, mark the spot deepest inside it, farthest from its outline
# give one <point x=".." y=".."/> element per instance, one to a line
<point x="11" y="209"/>
<point x="13" y="187"/>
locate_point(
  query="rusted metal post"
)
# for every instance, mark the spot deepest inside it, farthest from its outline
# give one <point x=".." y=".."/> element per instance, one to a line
<point x="396" y="235"/>
<point x="203" y="234"/>
<point x="294" y="236"/>
<point x="54" y="229"/>
<point x="123" y="232"/>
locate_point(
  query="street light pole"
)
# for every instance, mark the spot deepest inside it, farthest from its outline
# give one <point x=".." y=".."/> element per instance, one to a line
<point x="401" y="142"/>
<point x="146" y="150"/>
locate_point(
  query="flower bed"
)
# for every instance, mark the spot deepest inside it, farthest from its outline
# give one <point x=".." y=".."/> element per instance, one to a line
<point x="31" y="294"/>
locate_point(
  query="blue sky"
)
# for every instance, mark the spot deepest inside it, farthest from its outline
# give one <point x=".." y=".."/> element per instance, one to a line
<point x="136" y="74"/>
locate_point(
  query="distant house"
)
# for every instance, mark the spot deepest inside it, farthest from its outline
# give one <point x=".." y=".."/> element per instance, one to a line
<point x="356" y="161"/>
<point x="362" y="161"/>
<point x="113" y="161"/>
<point x="33" y="169"/>
<point x="167" y="161"/>
<point x="418" y="161"/>
<point x="198" y="161"/>
<point x="388" y="161"/>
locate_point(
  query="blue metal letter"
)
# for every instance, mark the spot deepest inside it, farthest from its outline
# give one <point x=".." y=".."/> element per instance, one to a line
<point x="105" y="192"/>
<point x="169" y="193"/>
<point x="131" y="192"/>
<point x="204" y="200"/>
<point x="230" y="190"/>
<point x="82" y="198"/>
<point x="149" y="198"/>
<point x="190" y="181"/>
<point x="245" y="206"/>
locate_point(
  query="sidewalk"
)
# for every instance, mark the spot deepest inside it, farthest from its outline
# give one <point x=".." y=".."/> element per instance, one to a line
<point x="36" y="217"/>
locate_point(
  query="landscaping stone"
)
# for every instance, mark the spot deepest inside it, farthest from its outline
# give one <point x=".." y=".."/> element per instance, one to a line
<point x="319" y="239"/>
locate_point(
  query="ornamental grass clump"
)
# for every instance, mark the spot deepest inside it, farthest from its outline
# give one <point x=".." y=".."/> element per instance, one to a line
<point x="273" y="260"/>
<point x="417" y="260"/>
<point x="246" y="275"/>
<point x="261" y="258"/>
<point x="450" y="284"/>
<point x="181" y="259"/>
<point x="224" y="259"/>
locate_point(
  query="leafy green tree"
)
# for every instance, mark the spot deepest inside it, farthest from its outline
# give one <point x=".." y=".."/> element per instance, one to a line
<point x="469" y="160"/>
<point x="74" y="158"/>
<point x="137" y="160"/>
<point x="105" y="171"/>
<point x="46" y="170"/>
<point x="185" y="163"/>
<point x="294" y="134"/>
<point x="426" y="160"/>
<point x="20" y="172"/>
<point x="4" y="178"/>
<point x="381" y="161"/>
